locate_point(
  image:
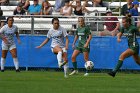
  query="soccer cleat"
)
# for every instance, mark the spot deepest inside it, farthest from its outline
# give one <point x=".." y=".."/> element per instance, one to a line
<point x="62" y="64"/>
<point x="17" y="70"/>
<point x="2" y="70"/>
<point x="74" y="72"/>
<point x="66" y="76"/>
<point x="86" y="74"/>
<point x="112" y="74"/>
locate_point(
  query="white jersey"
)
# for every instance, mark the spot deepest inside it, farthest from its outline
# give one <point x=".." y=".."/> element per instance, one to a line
<point x="57" y="36"/>
<point x="8" y="33"/>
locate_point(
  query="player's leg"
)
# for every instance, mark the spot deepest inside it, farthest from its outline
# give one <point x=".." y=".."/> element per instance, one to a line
<point x="74" y="55"/>
<point x="3" y="56"/>
<point x="13" y="52"/>
<point x="57" y="50"/>
<point x="86" y="58"/>
<point x="136" y="58"/>
<point x="64" y="56"/>
<point x="65" y="63"/>
<point x="124" y="55"/>
<point x="3" y="59"/>
<point x="136" y="55"/>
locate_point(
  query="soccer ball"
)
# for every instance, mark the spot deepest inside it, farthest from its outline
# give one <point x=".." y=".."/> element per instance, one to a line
<point x="89" y="65"/>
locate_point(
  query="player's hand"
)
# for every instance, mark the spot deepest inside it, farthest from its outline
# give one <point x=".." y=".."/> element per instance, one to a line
<point x="86" y="45"/>
<point x="19" y="41"/>
<point x="73" y="46"/>
<point x="119" y="40"/>
<point x="38" y="47"/>
<point x="5" y="40"/>
<point x="66" y="48"/>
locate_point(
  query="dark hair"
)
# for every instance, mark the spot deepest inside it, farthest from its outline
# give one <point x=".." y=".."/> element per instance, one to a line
<point x="20" y="4"/>
<point x="9" y="18"/>
<point x="101" y="3"/>
<point x="1" y="12"/>
<point x="55" y="18"/>
<point x="127" y="19"/>
<point x="67" y="1"/>
<point x="82" y="18"/>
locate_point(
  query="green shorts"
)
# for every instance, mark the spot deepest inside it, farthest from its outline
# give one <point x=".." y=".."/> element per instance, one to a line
<point x="82" y="49"/>
<point x="135" y="49"/>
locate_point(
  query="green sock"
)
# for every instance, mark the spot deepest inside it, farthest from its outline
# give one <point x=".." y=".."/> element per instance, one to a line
<point x="118" y="66"/>
<point x="74" y="65"/>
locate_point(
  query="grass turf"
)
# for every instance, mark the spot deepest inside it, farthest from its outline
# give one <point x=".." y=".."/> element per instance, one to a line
<point x="54" y="82"/>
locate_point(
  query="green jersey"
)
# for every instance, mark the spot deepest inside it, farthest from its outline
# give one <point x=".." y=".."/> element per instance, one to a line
<point x="82" y="33"/>
<point x="130" y="33"/>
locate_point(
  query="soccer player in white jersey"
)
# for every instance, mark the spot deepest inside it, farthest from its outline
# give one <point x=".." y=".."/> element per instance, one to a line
<point x="7" y="33"/>
<point x="58" y="46"/>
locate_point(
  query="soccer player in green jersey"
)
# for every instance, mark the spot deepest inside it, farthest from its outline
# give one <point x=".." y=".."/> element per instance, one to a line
<point x="84" y="36"/>
<point x="129" y="31"/>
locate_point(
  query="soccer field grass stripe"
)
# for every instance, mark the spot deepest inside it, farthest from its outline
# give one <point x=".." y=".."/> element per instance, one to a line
<point x="54" y="82"/>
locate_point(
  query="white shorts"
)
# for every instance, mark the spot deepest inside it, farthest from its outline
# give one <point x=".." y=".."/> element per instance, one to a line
<point x="63" y="49"/>
<point x="8" y="47"/>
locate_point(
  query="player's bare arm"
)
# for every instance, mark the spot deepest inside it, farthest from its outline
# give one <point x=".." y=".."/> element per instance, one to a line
<point x="75" y="39"/>
<point x="67" y="42"/>
<point x="2" y="36"/>
<point x="88" y="40"/>
<point x="119" y="36"/>
<point x="44" y="42"/>
<point x="18" y="38"/>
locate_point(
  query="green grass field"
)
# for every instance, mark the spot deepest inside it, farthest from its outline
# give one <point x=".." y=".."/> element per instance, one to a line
<point x="54" y="82"/>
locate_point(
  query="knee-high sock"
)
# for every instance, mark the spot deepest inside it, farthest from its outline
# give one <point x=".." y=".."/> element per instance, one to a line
<point x="16" y="63"/>
<point x="2" y="63"/>
<point x="74" y="65"/>
<point x="118" y="66"/>
<point x="59" y="57"/>
<point x="66" y="69"/>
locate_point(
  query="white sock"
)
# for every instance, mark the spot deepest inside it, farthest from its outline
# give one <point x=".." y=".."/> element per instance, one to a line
<point x="59" y="57"/>
<point x="2" y="63"/>
<point x="66" y="69"/>
<point x="16" y="63"/>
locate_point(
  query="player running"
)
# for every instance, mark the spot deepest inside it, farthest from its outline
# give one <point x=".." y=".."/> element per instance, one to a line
<point x="129" y="31"/>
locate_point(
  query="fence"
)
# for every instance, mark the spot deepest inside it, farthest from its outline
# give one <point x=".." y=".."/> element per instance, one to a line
<point x="104" y="52"/>
<point x="39" y="25"/>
